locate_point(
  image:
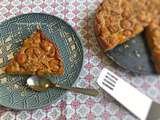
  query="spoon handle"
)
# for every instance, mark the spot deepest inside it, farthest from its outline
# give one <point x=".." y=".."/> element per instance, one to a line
<point x="91" y="92"/>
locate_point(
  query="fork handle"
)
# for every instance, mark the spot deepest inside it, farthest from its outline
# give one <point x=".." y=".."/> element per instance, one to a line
<point x="91" y="92"/>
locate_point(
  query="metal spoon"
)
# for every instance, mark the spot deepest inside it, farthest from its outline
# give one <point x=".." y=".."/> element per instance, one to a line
<point x="38" y="84"/>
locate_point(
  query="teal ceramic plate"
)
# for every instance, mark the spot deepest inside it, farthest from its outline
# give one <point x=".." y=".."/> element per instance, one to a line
<point x="13" y="92"/>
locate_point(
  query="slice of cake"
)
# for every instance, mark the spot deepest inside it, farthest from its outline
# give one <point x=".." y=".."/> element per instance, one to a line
<point x="38" y="56"/>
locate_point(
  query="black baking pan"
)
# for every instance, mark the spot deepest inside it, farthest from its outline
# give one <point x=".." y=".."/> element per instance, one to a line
<point x="133" y="55"/>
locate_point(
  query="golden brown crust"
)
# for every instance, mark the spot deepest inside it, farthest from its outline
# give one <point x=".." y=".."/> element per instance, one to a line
<point x="152" y="33"/>
<point x="119" y="20"/>
<point x="38" y="56"/>
<point x="153" y="7"/>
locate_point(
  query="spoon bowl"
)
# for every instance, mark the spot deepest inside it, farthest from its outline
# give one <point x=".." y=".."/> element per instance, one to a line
<point x="38" y="84"/>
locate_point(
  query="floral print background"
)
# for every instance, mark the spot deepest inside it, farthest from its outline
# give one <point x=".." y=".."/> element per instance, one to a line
<point x="80" y="15"/>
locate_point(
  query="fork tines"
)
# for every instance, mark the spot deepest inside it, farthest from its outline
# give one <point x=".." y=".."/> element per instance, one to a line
<point x="109" y="79"/>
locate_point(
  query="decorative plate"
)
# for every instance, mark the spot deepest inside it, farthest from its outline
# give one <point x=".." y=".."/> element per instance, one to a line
<point x="134" y="56"/>
<point x="13" y="92"/>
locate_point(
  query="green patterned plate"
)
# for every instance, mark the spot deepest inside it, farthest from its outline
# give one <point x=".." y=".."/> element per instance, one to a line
<point x="13" y="92"/>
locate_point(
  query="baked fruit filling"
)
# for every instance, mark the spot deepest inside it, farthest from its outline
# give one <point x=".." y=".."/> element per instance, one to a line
<point x="38" y="56"/>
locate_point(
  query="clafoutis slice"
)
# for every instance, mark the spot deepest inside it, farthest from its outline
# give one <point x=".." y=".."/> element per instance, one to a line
<point x="38" y="56"/>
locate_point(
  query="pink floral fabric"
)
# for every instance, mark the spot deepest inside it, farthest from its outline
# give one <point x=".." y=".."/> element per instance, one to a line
<point x="80" y="15"/>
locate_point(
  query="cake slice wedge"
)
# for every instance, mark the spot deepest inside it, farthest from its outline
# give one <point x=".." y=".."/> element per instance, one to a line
<point x="38" y="56"/>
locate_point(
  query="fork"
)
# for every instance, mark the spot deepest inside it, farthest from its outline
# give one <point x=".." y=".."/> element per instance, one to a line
<point x="137" y="103"/>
